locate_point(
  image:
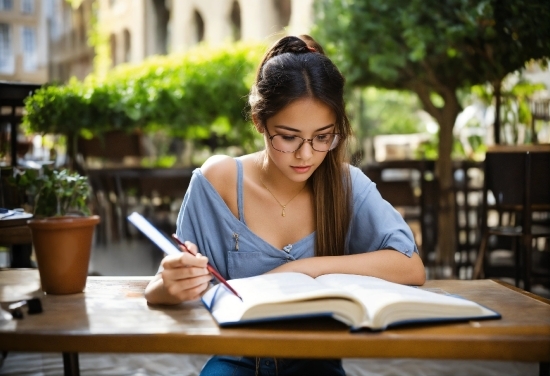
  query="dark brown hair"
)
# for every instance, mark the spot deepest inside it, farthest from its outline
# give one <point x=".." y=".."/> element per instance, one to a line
<point x="295" y="68"/>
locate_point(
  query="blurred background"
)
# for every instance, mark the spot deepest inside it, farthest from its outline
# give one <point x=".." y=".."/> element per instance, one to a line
<point x="135" y="94"/>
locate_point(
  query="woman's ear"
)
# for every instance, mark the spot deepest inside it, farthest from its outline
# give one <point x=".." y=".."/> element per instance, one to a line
<point x="257" y="124"/>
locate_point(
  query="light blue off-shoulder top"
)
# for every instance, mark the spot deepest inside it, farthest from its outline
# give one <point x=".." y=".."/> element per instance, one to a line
<point x="236" y="252"/>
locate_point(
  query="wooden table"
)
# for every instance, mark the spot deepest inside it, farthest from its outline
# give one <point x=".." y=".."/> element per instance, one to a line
<point x="14" y="229"/>
<point x="15" y="234"/>
<point x="112" y="316"/>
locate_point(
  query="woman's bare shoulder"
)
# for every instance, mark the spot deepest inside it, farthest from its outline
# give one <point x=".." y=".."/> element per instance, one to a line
<point x="219" y="170"/>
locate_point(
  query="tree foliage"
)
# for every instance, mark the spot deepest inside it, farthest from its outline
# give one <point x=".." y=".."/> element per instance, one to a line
<point x="390" y="112"/>
<point x="443" y="44"/>
<point x="434" y="48"/>
<point x="189" y="95"/>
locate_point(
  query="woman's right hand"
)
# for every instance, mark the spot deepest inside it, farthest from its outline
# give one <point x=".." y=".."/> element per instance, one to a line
<point x="184" y="277"/>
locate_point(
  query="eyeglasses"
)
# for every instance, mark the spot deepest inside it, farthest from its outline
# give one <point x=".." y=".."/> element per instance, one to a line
<point x="290" y="143"/>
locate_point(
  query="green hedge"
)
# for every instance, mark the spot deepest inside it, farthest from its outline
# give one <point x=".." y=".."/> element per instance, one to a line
<point x="189" y="95"/>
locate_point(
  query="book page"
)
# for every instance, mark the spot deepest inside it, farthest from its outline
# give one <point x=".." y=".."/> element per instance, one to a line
<point x="264" y="289"/>
<point x="387" y="302"/>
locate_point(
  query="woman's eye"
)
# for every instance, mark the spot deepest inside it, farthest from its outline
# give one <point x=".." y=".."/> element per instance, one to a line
<point x="323" y="137"/>
<point x="288" y="138"/>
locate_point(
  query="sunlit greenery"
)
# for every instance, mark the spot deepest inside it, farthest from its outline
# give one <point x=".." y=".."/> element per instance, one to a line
<point x="54" y="192"/>
<point x="390" y="112"/>
<point x="188" y="95"/>
<point x="515" y="112"/>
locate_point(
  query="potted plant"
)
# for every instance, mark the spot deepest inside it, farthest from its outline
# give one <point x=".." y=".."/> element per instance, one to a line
<point x="62" y="228"/>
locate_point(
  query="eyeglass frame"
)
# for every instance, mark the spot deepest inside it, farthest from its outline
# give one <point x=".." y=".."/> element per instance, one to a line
<point x="310" y="140"/>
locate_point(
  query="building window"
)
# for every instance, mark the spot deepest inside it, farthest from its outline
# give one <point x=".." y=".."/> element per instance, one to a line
<point x="283" y="8"/>
<point x="6" y="4"/>
<point x="198" y="27"/>
<point x="127" y="40"/>
<point x="112" y="43"/>
<point x="6" y="50"/>
<point x="82" y="34"/>
<point x="27" y="6"/>
<point x="29" y="49"/>
<point x="162" y="20"/>
<point x="236" y="20"/>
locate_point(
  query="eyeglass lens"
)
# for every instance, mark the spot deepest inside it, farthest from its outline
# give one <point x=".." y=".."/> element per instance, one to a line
<point x="290" y="143"/>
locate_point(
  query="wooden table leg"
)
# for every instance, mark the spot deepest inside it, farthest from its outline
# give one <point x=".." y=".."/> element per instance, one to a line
<point x="544" y="369"/>
<point x="20" y="256"/>
<point x="70" y="364"/>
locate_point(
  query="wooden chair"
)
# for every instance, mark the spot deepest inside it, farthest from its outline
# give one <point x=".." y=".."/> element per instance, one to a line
<point x="158" y="191"/>
<point x="412" y="189"/>
<point x="520" y="184"/>
<point x="540" y="110"/>
<point x="468" y="190"/>
<point x="109" y="149"/>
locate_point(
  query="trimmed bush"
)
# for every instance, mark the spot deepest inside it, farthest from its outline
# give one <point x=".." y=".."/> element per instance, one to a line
<point x="188" y="95"/>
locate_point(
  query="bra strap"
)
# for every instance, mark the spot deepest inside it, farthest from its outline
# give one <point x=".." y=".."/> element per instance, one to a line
<point x="240" y="197"/>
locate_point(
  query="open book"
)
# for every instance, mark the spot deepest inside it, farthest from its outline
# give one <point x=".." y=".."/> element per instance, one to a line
<point x="358" y="301"/>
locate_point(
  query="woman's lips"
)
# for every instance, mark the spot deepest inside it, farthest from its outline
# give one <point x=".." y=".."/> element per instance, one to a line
<point x="301" y="169"/>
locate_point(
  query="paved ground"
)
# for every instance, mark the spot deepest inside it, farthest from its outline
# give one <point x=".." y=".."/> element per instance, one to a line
<point x="125" y="258"/>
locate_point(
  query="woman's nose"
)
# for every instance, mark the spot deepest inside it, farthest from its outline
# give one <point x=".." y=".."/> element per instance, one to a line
<point x="305" y="151"/>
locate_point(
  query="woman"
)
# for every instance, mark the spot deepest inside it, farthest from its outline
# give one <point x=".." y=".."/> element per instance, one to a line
<point x="295" y="206"/>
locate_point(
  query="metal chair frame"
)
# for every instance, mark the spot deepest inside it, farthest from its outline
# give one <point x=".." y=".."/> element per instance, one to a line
<point x="522" y="200"/>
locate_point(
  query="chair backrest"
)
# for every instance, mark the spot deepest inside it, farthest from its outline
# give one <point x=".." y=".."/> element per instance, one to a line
<point x="505" y="177"/>
<point x="540" y="178"/>
<point x="520" y="183"/>
<point x="518" y="178"/>
<point x="399" y="189"/>
<point x="10" y="195"/>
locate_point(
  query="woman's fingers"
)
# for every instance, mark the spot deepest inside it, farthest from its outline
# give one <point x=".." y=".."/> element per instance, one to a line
<point x="192" y="247"/>
<point x="185" y="276"/>
<point x="189" y="288"/>
<point x="185" y="259"/>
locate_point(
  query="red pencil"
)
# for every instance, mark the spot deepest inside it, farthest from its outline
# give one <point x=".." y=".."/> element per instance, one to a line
<point x="210" y="269"/>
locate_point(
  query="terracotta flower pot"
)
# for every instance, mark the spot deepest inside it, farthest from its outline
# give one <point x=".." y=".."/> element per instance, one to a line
<point x="62" y="246"/>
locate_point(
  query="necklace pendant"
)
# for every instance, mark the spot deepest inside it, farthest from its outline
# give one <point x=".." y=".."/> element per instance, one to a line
<point x="283" y="214"/>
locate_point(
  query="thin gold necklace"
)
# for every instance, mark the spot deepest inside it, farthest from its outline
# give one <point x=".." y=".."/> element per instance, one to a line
<point x="278" y="202"/>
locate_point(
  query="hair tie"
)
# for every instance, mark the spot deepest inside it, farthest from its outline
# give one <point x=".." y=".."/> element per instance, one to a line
<point x="311" y="49"/>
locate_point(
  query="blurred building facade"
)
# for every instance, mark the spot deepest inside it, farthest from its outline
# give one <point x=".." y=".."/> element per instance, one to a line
<point x="23" y="42"/>
<point x="49" y="40"/>
<point x="141" y="28"/>
<point x="70" y="54"/>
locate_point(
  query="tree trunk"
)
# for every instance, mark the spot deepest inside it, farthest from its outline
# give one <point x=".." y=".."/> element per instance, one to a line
<point x="446" y="232"/>
<point x="70" y="158"/>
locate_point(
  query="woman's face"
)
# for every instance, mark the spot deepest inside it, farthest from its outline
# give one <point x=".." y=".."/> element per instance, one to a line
<point x="305" y="118"/>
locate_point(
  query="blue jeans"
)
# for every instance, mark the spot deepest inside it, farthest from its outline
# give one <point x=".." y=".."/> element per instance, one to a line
<point x="237" y="366"/>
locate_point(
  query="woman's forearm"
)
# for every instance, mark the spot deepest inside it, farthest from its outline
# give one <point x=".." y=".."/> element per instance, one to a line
<point x="387" y="264"/>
